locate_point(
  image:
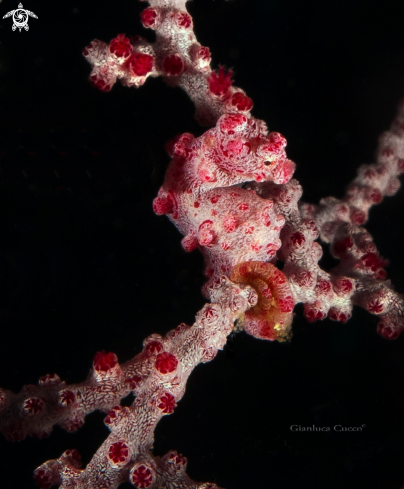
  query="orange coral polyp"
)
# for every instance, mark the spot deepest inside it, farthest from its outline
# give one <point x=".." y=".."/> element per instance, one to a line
<point x="268" y="319"/>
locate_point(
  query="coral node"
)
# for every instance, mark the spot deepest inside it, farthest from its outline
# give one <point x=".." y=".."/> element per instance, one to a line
<point x="118" y="453"/>
<point x="104" y="361"/>
<point x="120" y="46"/>
<point x="220" y="82"/>
<point x="141" y="476"/>
<point x="140" y="64"/>
<point x="173" y="65"/>
<point x="166" y="362"/>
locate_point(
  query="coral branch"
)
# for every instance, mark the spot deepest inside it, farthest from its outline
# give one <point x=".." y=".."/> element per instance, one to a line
<point x="157" y="377"/>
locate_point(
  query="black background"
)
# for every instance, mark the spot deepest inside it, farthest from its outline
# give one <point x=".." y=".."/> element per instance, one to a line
<point x="85" y="265"/>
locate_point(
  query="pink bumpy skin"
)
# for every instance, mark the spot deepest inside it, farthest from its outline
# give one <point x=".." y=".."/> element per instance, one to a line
<point x="202" y="197"/>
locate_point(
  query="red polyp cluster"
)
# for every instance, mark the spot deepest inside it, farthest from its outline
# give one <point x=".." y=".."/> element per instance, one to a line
<point x="141" y="476"/>
<point x="118" y="453"/>
<point x="166" y="363"/>
<point x="104" y="361"/>
<point x="219" y="82"/>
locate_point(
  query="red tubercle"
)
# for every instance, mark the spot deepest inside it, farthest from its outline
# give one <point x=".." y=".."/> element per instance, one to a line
<point x="141" y="476"/>
<point x="66" y="398"/>
<point x="200" y="56"/>
<point x="231" y="123"/>
<point x="241" y="102"/>
<point x="313" y="313"/>
<point x="118" y="453"/>
<point x="230" y="223"/>
<point x="166" y="403"/>
<point x="271" y="248"/>
<point x="182" y="145"/>
<point x="133" y="381"/>
<point x="243" y="206"/>
<point x="189" y="242"/>
<point x="375" y="196"/>
<point x="380" y="274"/>
<point x="323" y="287"/>
<point x="74" y="458"/>
<point x="342" y="246"/>
<point x="209" y="315"/>
<point x="277" y="143"/>
<point x="400" y="165"/>
<point x="173" y="65"/>
<point x="206" y="174"/>
<point x="154" y="347"/>
<point x="342" y="286"/>
<point x="164" y="204"/>
<point x="387" y="331"/>
<point x="297" y="238"/>
<point x="207" y="237"/>
<point x="375" y="305"/>
<point x="370" y="174"/>
<point x="235" y="147"/>
<point x="256" y="247"/>
<point x="166" y="363"/>
<point x="178" y="330"/>
<point x="33" y="406"/>
<point x="44" y="478"/>
<point x="373" y="262"/>
<point x="98" y="82"/>
<point x="265" y="216"/>
<point x="104" y="361"/>
<point x="336" y="315"/>
<point x="49" y="380"/>
<point x="113" y="415"/>
<point x="305" y="278"/>
<point x="140" y="64"/>
<point x="204" y="54"/>
<point x="219" y="82"/>
<point x="149" y="17"/>
<point x="120" y="46"/>
<point x="183" y="20"/>
<point x="177" y="459"/>
<point x="357" y="216"/>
